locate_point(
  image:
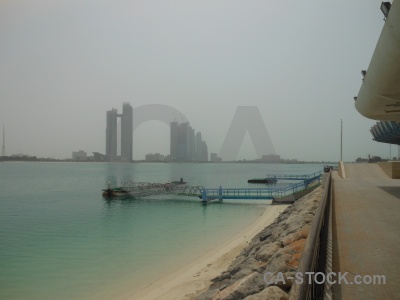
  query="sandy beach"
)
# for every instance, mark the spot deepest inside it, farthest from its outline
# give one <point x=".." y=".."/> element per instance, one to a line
<point x="188" y="281"/>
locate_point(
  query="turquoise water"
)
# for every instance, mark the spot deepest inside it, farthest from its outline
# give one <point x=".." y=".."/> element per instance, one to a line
<point x="59" y="239"/>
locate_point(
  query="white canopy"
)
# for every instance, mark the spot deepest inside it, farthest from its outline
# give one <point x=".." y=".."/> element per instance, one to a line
<point x="379" y="95"/>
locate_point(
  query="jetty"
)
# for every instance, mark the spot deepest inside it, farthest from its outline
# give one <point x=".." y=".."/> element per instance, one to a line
<point x="145" y="189"/>
<point x="270" y="193"/>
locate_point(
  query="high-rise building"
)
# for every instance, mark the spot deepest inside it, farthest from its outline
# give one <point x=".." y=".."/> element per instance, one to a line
<point x="173" y="150"/>
<point x="199" y="146"/>
<point x="185" y="145"/>
<point x="3" y="148"/>
<point x="191" y="144"/>
<point x="183" y="136"/>
<point x="111" y="135"/>
<point x="126" y="132"/>
<point x="214" y="157"/>
<point x="204" y="152"/>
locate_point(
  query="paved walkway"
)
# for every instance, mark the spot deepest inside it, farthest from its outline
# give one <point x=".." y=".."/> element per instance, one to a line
<point x="366" y="231"/>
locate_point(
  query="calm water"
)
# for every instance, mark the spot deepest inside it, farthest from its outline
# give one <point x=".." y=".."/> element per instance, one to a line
<point x="59" y="239"/>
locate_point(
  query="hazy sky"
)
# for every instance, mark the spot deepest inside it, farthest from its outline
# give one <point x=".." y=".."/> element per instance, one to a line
<point x="64" y="63"/>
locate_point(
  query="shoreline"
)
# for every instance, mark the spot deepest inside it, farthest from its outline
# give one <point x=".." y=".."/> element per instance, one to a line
<point x="187" y="281"/>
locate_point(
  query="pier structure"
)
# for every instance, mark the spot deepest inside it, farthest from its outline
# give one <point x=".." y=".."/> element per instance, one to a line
<point x="303" y="177"/>
<point x="145" y="189"/>
<point x="261" y="193"/>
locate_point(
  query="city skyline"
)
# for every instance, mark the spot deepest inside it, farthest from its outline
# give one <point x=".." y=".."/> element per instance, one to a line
<point x="65" y="63"/>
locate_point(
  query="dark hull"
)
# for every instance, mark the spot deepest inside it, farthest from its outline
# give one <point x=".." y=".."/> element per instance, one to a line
<point x="262" y="180"/>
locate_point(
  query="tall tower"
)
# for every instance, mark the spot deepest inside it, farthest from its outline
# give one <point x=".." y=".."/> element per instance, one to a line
<point x="191" y="144"/>
<point x="111" y="135"/>
<point x="173" y="140"/>
<point x="199" y="147"/>
<point x="183" y="142"/>
<point x="3" y="149"/>
<point x="126" y="132"/>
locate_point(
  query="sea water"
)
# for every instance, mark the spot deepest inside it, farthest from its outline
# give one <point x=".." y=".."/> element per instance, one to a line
<point x="60" y="239"/>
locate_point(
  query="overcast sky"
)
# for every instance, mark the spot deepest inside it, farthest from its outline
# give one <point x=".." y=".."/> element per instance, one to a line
<point x="64" y="63"/>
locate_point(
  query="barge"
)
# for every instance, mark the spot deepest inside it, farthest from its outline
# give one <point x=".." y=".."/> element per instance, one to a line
<point x="143" y="189"/>
<point x="263" y="180"/>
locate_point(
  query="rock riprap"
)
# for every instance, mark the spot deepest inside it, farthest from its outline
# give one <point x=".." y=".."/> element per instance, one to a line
<point x="273" y="254"/>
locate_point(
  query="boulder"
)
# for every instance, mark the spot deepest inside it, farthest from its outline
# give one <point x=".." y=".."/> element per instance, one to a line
<point x="282" y="280"/>
<point x="209" y="294"/>
<point x="247" y="263"/>
<point x="221" y="284"/>
<point x="295" y="236"/>
<point x="266" y="251"/>
<point x="270" y="293"/>
<point x="249" y="285"/>
<point x="242" y="273"/>
<point x="271" y="232"/>
<point x="279" y="262"/>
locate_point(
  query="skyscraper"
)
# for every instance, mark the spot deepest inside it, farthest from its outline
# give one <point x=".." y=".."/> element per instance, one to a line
<point x="126" y="132"/>
<point x="183" y="129"/>
<point x="111" y="135"/>
<point x="191" y="144"/>
<point x="3" y="149"/>
<point x="185" y="145"/>
<point x="173" y="150"/>
<point x="199" y="147"/>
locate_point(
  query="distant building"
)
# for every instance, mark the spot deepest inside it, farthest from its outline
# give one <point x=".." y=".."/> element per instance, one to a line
<point x="191" y="144"/>
<point x="111" y="135"/>
<point x="374" y="159"/>
<point x="154" y="157"/>
<point x="173" y="145"/>
<point x="99" y="157"/>
<point x="214" y="157"/>
<point x="361" y="160"/>
<point x="20" y="155"/>
<point x="204" y="152"/>
<point x="185" y="145"/>
<point x="201" y="148"/>
<point x="79" y="156"/>
<point x="271" y="158"/>
<point x="3" y="149"/>
<point x="126" y="133"/>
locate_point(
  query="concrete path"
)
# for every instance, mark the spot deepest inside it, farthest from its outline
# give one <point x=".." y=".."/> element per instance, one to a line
<point x="366" y="231"/>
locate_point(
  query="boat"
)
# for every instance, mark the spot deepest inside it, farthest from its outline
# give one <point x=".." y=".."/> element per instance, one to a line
<point x="115" y="192"/>
<point x="263" y="180"/>
<point x="143" y="189"/>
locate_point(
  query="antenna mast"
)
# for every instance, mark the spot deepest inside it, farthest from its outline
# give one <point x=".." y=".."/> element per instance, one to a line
<point x="3" y="149"/>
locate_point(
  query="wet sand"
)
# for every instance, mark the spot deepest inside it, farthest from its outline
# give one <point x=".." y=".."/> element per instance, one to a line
<point x="188" y="281"/>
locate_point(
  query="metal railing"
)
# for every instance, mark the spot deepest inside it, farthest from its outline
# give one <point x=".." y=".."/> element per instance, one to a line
<point x="258" y="193"/>
<point x="315" y="251"/>
<point x="294" y="176"/>
<point x="142" y="189"/>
